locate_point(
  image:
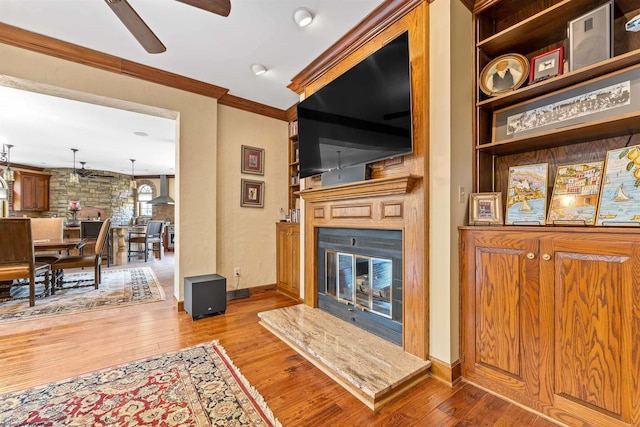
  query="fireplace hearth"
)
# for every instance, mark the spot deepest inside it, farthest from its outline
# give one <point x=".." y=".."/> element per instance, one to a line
<point x="360" y="278"/>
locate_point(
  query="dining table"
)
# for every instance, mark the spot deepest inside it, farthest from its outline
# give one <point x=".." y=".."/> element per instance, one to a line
<point x="59" y="244"/>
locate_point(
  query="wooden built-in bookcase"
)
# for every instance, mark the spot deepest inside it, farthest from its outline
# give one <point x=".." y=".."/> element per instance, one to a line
<point x="549" y="313"/>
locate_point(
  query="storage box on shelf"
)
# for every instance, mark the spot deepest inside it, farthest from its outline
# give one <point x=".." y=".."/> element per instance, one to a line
<point x="550" y="268"/>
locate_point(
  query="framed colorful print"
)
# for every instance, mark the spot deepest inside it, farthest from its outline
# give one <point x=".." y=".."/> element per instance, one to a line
<point x="574" y="199"/>
<point x="252" y="193"/>
<point x="485" y="208"/>
<point x="527" y="194"/>
<point x="546" y="65"/>
<point x="620" y="195"/>
<point x="252" y="160"/>
<point x="504" y="73"/>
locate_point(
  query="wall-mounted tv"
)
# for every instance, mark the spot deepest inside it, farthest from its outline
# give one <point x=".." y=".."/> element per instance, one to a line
<point x="362" y="116"/>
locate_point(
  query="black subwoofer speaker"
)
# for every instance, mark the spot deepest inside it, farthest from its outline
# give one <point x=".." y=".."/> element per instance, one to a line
<point x="205" y="295"/>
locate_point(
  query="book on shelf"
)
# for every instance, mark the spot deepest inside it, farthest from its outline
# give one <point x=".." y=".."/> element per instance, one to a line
<point x="293" y="128"/>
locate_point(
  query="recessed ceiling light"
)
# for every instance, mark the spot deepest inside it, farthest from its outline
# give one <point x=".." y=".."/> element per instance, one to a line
<point x="141" y="133"/>
<point x="258" y="69"/>
<point x="302" y="16"/>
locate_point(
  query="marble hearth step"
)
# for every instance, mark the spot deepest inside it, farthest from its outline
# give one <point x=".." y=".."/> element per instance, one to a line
<point x="370" y="368"/>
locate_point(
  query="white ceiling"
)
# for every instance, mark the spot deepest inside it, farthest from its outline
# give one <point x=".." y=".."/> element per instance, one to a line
<point x="200" y="45"/>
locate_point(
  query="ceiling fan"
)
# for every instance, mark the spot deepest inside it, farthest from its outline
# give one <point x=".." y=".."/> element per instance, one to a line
<point x="141" y="31"/>
<point x="88" y="173"/>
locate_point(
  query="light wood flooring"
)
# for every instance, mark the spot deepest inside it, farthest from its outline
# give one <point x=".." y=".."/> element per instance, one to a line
<point x="299" y="394"/>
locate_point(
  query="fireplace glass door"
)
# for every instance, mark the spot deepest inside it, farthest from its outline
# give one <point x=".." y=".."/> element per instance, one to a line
<point x="361" y="280"/>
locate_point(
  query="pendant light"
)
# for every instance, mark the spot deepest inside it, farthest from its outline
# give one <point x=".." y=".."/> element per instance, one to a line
<point x="8" y="173"/>
<point x="74" y="178"/>
<point x="133" y="184"/>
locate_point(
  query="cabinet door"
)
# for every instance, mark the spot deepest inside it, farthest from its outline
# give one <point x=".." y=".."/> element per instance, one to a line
<point x="42" y="193"/>
<point x="295" y="260"/>
<point x="28" y="188"/>
<point x="501" y="322"/>
<point x="283" y="250"/>
<point x="594" y="324"/>
<point x="35" y="192"/>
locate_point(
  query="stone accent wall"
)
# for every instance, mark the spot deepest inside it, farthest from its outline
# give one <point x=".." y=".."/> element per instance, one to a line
<point x="113" y="195"/>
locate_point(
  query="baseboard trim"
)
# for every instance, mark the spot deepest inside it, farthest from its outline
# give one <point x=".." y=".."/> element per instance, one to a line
<point x="450" y="374"/>
<point x="179" y="304"/>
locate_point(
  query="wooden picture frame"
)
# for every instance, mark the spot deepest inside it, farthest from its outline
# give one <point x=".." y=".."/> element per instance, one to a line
<point x="547" y="65"/>
<point x="504" y="73"/>
<point x="615" y="96"/>
<point x="485" y="209"/>
<point x="619" y="203"/>
<point x="252" y="160"/>
<point x="527" y="194"/>
<point x="575" y="196"/>
<point x="252" y="193"/>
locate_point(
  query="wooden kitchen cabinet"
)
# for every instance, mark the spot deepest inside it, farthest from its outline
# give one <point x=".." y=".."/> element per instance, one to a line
<point x="34" y="190"/>
<point x="551" y="319"/>
<point x="288" y="258"/>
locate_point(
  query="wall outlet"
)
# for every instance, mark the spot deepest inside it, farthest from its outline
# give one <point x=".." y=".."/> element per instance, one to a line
<point x="236" y="272"/>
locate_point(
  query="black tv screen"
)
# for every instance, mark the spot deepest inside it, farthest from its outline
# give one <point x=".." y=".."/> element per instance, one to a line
<point x="360" y="117"/>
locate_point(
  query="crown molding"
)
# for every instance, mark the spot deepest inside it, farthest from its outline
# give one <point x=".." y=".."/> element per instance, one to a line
<point x="28" y="40"/>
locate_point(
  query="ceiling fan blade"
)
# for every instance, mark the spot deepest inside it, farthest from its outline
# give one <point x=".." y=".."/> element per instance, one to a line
<point x="136" y="26"/>
<point x="219" y="7"/>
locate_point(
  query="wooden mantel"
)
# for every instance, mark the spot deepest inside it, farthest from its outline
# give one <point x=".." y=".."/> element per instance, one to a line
<point x="369" y="188"/>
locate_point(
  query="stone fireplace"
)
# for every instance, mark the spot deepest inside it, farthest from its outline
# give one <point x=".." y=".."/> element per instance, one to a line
<point x="360" y="278"/>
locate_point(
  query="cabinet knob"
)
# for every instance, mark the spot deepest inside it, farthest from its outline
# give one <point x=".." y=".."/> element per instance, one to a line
<point x="531" y="255"/>
<point x="546" y="257"/>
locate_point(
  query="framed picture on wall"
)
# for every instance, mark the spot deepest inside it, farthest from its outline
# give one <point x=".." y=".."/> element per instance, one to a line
<point x="252" y="160"/>
<point x="252" y="193"/>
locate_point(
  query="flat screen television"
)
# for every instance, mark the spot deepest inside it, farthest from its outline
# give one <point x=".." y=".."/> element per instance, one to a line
<point x="362" y="116"/>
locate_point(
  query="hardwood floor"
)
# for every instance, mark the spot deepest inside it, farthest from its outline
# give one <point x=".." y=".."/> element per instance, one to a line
<point x="45" y="350"/>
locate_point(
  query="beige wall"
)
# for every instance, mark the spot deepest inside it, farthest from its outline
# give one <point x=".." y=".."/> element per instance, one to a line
<point x="246" y="236"/>
<point x="451" y="157"/>
<point x="196" y="150"/>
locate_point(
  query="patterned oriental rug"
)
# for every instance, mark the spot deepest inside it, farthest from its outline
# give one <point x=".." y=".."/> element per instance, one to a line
<point x="118" y="288"/>
<point x="196" y="386"/>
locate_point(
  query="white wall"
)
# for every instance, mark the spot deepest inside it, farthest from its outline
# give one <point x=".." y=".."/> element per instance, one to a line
<point x="451" y="157"/>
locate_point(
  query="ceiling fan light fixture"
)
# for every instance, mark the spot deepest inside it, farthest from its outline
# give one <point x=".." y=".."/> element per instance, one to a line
<point x="258" y="69"/>
<point x="302" y="16"/>
<point x="74" y="178"/>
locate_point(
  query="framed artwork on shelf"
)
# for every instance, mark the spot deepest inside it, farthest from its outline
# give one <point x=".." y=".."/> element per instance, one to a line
<point x="603" y="99"/>
<point x="252" y="193"/>
<point x="574" y="199"/>
<point x="504" y="73"/>
<point x="485" y="209"/>
<point x="590" y="39"/>
<point x="527" y="194"/>
<point x="546" y="65"/>
<point x="252" y="160"/>
<point x="620" y="196"/>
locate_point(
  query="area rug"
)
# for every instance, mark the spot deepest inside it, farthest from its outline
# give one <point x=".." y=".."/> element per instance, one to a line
<point x="196" y="386"/>
<point x="118" y="288"/>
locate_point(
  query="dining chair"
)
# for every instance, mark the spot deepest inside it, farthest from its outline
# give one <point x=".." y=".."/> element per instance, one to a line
<point x="90" y="230"/>
<point x="92" y="260"/>
<point x="153" y="236"/>
<point x="17" y="260"/>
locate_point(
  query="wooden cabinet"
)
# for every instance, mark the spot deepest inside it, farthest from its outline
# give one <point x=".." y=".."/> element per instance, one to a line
<point x="288" y="258"/>
<point x="34" y="190"/>
<point x="551" y="319"/>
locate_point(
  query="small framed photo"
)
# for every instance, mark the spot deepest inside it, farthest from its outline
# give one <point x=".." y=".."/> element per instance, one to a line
<point x="590" y="39"/>
<point x="504" y="73"/>
<point x="252" y="160"/>
<point x="252" y="193"/>
<point x="546" y="65"/>
<point x="485" y="208"/>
